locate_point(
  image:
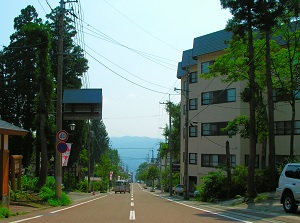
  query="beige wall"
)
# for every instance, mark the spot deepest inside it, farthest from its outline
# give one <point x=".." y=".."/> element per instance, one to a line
<point x="221" y="113"/>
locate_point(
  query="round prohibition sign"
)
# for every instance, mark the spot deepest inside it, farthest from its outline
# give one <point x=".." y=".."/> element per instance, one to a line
<point x="62" y="147"/>
<point x="62" y="135"/>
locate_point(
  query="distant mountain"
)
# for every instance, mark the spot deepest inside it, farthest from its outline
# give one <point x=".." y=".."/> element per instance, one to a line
<point x="134" y="150"/>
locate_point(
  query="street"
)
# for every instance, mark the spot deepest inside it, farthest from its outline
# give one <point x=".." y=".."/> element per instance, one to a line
<point x="144" y="206"/>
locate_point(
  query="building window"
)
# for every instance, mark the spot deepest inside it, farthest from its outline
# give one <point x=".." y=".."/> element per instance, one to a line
<point x="205" y="66"/>
<point x="284" y="95"/>
<point x="256" y="160"/>
<point x="214" y="160"/>
<point x="285" y="128"/>
<point x="213" y="129"/>
<point x="217" y="97"/>
<point x="193" y="77"/>
<point x="193" y="131"/>
<point x="193" y="158"/>
<point x="193" y="104"/>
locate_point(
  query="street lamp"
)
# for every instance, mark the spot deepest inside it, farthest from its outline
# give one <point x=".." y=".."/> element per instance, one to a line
<point x="72" y="126"/>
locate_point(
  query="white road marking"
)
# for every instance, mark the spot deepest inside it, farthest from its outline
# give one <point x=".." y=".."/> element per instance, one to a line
<point x="77" y="205"/>
<point x="132" y="215"/>
<point x="131" y="199"/>
<point x="132" y="204"/>
<point x="27" y="219"/>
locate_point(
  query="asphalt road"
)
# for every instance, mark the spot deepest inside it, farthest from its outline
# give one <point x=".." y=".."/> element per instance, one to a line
<point x="143" y="206"/>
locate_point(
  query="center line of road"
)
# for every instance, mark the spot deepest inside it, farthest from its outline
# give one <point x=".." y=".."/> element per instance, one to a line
<point x="132" y="215"/>
<point x="132" y="204"/>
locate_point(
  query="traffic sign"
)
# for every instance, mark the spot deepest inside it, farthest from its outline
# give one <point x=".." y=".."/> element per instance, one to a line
<point x="62" y="135"/>
<point x="62" y="147"/>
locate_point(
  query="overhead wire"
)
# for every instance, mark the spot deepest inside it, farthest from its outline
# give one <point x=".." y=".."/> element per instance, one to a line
<point x="173" y="47"/>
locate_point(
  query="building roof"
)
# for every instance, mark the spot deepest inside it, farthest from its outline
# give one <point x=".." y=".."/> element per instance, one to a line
<point x="210" y="43"/>
<point x="186" y="61"/>
<point x="206" y="44"/>
<point x="82" y="96"/>
<point x="82" y="104"/>
<point x="10" y="129"/>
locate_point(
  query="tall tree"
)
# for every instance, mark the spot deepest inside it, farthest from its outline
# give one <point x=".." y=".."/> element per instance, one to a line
<point x="19" y="90"/>
<point x="242" y="23"/>
<point x="40" y="35"/>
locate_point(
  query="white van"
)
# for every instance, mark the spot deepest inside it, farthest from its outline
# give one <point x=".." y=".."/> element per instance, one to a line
<point x="122" y="186"/>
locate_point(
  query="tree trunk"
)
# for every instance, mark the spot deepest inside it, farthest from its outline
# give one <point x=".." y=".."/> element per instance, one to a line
<point x="252" y="125"/>
<point x="270" y="113"/>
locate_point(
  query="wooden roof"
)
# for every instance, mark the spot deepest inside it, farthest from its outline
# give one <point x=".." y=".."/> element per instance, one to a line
<point x="10" y="129"/>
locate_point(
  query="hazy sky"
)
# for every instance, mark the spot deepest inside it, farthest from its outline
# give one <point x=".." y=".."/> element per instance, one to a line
<point x="133" y="48"/>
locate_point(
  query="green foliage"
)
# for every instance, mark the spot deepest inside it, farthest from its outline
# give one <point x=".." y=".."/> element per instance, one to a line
<point x="213" y="187"/>
<point x="83" y="185"/>
<point x="97" y="185"/>
<point x="4" y="212"/>
<point x="29" y="183"/>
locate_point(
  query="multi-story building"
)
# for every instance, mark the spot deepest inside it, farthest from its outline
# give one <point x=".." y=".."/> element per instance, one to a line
<point x="211" y="105"/>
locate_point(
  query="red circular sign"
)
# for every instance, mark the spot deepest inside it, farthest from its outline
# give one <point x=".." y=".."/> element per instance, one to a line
<point x="62" y="135"/>
<point x="61" y="147"/>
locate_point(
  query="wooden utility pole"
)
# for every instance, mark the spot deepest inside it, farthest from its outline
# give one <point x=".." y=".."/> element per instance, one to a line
<point x="170" y="147"/>
<point x="186" y="150"/>
<point x="58" y="161"/>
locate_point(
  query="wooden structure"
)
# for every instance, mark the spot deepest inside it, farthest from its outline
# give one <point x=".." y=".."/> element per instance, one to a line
<point x="6" y="129"/>
<point x="82" y="104"/>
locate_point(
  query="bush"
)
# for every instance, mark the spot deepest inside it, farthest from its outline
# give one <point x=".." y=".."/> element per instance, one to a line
<point x="4" y="212"/>
<point x="47" y="193"/>
<point x="213" y="187"/>
<point x="83" y="185"/>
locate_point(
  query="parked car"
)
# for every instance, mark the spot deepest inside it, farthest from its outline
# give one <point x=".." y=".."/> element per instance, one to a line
<point x="179" y="189"/>
<point x="289" y="187"/>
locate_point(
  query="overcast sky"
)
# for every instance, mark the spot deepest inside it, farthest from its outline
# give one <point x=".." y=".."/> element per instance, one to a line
<point x="133" y="48"/>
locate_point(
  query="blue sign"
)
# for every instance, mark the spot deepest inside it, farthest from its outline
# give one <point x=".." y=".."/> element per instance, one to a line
<point x="61" y="147"/>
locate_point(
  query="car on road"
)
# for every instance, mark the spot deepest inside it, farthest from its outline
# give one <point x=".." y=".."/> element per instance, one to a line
<point x="122" y="186"/>
<point x="289" y="187"/>
<point x="179" y="189"/>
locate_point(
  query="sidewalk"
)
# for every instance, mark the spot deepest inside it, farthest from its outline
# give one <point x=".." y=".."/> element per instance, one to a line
<point x="24" y="207"/>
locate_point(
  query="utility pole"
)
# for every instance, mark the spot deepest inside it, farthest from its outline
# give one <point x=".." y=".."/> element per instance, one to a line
<point x="58" y="161"/>
<point x="186" y="150"/>
<point x="170" y="147"/>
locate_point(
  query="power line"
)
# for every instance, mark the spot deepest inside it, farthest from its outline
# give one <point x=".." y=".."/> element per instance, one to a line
<point x="142" y="27"/>
<point x="149" y="89"/>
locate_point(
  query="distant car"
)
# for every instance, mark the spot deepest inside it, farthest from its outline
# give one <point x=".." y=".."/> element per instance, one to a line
<point x="289" y="187"/>
<point x="179" y="188"/>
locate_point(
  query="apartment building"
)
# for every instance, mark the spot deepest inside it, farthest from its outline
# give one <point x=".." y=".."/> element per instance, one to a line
<point x="211" y="105"/>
